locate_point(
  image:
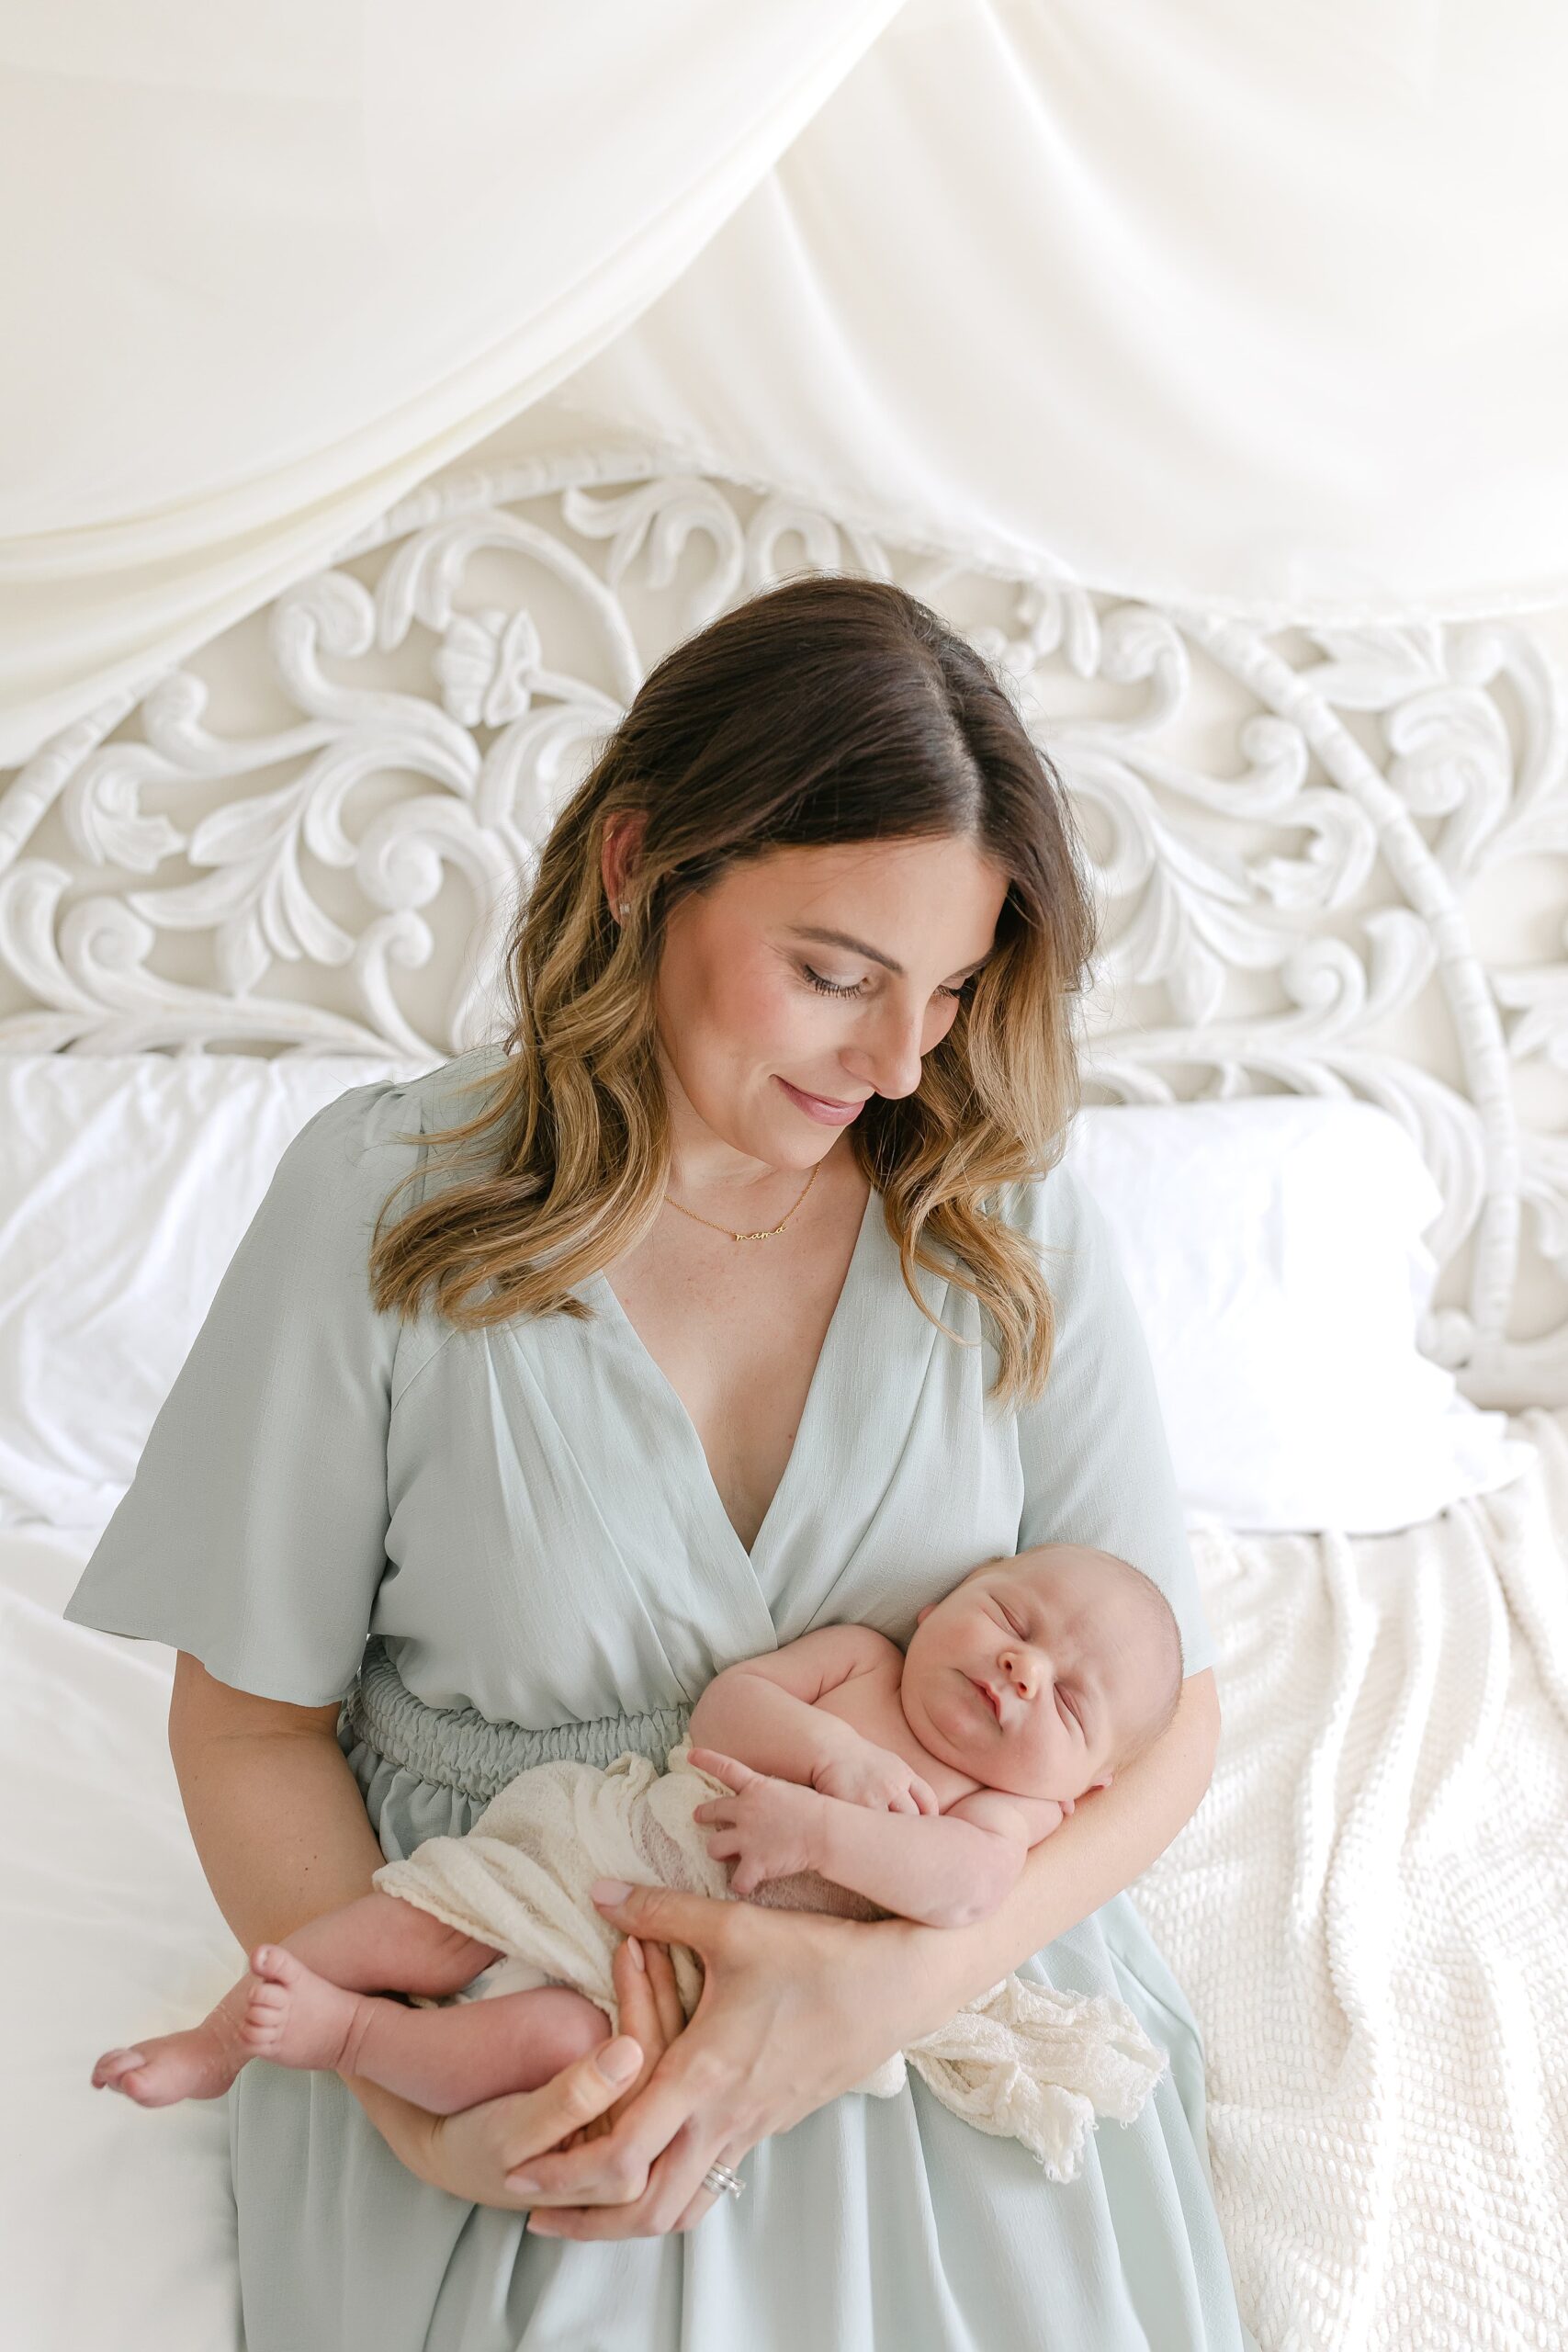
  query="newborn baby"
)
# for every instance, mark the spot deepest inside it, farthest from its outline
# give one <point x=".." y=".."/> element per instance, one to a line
<point x="838" y="1771"/>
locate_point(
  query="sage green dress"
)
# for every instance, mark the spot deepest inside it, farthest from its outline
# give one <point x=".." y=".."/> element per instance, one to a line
<point x="524" y="1519"/>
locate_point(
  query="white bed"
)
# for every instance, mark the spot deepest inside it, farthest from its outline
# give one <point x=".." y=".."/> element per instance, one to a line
<point x="302" y="844"/>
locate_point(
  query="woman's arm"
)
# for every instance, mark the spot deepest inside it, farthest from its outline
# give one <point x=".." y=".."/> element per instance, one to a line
<point x="798" y="2007"/>
<point x="282" y="1834"/>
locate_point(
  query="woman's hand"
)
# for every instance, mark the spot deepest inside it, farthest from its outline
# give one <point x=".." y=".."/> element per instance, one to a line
<point x="469" y="2154"/>
<point x="796" y="2008"/>
<point x="653" y="2018"/>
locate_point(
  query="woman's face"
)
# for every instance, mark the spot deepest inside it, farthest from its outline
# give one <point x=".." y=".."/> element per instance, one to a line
<point x="806" y="980"/>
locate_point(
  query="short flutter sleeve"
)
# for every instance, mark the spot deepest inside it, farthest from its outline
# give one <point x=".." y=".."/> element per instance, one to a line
<point x="1096" y="1462"/>
<point x="253" y="1533"/>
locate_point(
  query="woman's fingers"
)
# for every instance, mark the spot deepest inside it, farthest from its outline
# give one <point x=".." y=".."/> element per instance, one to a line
<point x="674" y="2198"/>
<point x="469" y="2150"/>
<point x="666" y="1994"/>
<point x="615" y="2171"/>
<point x="665" y="1915"/>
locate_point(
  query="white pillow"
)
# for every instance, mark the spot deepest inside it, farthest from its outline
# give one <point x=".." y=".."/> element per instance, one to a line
<point x="1273" y="1247"/>
<point x="126" y="1181"/>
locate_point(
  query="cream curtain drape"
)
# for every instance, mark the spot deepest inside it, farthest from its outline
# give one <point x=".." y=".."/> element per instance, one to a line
<point x="265" y="269"/>
<point x="1261" y="308"/>
<point x="1260" y="305"/>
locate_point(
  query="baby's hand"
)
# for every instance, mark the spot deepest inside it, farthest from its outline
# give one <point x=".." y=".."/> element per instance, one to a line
<point x="768" y="1829"/>
<point x="876" y="1777"/>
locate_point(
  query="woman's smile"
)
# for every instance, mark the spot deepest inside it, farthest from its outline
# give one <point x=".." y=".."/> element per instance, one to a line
<point x="823" y="1108"/>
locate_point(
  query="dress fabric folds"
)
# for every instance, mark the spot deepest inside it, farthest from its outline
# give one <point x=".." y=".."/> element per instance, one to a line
<point x="524" y="1519"/>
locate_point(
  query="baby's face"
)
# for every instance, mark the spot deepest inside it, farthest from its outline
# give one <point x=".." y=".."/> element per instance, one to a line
<point x="1067" y="1656"/>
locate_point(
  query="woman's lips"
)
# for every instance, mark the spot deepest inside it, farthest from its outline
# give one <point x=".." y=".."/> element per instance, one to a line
<point x="822" y="1107"/>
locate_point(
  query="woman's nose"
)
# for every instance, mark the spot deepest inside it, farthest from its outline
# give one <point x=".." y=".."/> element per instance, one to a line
<point x="890" y="1053"/>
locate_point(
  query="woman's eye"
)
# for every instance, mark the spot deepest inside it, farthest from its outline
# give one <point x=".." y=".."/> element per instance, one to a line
<point x="825" y="986"/>
<point x="831" y="988"/>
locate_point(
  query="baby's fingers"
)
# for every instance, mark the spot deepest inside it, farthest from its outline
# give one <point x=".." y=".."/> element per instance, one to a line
<point x="728" y="1769"/>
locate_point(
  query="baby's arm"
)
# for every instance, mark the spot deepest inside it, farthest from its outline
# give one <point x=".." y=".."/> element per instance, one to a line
<point x="946" y="1869"/>
<point x="764" y="1709"/>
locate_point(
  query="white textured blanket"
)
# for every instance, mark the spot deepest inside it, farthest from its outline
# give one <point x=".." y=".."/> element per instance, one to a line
<point x="1023" y="2060"/>
<point x="1369" y="1912"/>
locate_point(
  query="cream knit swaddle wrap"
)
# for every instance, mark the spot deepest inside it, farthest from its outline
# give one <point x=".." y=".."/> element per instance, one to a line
<point x="1022" y="2060"/>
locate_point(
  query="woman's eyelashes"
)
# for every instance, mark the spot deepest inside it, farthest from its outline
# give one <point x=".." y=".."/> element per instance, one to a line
<point x="825" y="986"/>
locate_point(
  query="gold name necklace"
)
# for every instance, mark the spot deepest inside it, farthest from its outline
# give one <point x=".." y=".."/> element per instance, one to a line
<point x="766" y="1236"/>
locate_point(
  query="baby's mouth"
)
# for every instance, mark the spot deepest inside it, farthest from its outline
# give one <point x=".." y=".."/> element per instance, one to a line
<point x="990" y="1697"/>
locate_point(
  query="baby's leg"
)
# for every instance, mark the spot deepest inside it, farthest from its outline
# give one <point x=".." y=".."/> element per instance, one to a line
<point x="441" y="2058"/>
<point x="376" y="1942"/>
<point x="381" y="1944"/>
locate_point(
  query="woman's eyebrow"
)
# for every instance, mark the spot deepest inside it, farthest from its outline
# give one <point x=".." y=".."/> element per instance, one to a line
<point x="863" y="947"/>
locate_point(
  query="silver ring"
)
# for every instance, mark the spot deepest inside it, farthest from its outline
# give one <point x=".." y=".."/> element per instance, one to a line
<point x="720" y="2177"/>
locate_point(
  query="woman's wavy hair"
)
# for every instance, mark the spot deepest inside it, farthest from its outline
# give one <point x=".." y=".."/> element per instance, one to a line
<point x="828" y="709"/>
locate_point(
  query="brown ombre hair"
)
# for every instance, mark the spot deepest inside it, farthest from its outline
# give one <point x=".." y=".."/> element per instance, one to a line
<point x="831" y="709"/>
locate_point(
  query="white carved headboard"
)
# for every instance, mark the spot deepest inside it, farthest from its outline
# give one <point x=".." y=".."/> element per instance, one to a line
<point x="1329" y="860"/>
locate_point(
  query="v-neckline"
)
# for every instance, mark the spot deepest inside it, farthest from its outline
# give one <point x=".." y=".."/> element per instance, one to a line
<point x="598" y="1289"/>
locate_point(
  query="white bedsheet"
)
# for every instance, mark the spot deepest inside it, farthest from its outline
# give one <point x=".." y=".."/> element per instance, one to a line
<point x="1369" y="1912"/>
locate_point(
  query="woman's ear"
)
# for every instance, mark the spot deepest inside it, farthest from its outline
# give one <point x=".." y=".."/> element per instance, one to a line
<point x="618" y="862"/>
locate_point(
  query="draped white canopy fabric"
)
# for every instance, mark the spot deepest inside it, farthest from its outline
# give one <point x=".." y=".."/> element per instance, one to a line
<point x="279" y="264"/>
<point x="1259" y="309"/>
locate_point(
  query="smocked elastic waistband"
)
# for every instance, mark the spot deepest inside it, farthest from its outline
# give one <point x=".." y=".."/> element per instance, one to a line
<point x="456" y="1747"/>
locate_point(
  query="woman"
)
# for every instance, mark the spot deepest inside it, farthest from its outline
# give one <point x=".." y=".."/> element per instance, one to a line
<point x="736" y="1292"/>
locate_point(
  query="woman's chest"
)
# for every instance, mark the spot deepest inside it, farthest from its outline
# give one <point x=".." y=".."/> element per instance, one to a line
<point x="738" y="1329"/>
<point x="558" y="1548"/>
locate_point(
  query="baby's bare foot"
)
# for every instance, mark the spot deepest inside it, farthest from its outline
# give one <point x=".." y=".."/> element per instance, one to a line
<point x="295" y="2018"/>
<point x="199" y="2064"/>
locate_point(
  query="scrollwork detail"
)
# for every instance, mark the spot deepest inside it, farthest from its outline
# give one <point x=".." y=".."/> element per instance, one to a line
<point x="1287" y="901"/>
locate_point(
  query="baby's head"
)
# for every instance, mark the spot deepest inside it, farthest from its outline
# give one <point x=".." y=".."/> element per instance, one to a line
<point x="1082" y="1657"/>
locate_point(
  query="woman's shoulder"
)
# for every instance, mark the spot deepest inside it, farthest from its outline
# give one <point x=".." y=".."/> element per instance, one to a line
<point x="1053" y="1208"/>
<point x="366" y="1138"/>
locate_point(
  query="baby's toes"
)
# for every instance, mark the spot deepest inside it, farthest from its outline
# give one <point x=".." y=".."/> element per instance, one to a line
<point x="114" y="2065"/>
<point x="276" y="1966"/>
<point x="267" y="2014"/>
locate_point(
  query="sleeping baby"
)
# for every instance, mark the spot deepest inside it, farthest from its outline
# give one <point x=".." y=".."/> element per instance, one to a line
<point x="837" y="1773"/>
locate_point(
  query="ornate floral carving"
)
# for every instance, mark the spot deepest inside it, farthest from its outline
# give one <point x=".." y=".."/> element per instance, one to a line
<point x="1277" y="898"/>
